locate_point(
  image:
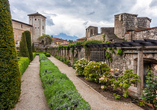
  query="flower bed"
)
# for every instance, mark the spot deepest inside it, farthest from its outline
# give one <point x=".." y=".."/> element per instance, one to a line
<point x="60" y="92"/>
<point x="23" y="63"/>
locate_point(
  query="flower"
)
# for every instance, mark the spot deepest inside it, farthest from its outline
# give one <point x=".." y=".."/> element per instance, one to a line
<point x="102" y="86"/>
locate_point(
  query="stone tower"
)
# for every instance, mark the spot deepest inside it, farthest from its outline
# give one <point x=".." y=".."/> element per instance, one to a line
<point x="125" y="22"/>
<point x="91" y="31"/>
<point x="37" y="20"/>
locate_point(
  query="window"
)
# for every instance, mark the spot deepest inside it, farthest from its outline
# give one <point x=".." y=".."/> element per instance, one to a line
<point x="21" y="26"/>
<point x="43" y="27"/>
<point x="35" y="19"/>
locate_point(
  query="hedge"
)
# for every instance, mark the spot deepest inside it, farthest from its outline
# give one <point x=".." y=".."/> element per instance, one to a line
<point x="28" y="40"/>
<point x="23" y="63"/>
<point x="34" y="54"/>
<point x="10" y="81"/>
<point x="23" y="46"/>
<point x="60" y="92"/>
<point x="46" y="53"/>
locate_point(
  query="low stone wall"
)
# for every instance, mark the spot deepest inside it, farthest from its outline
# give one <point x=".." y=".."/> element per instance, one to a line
<point x="96" y="37"/>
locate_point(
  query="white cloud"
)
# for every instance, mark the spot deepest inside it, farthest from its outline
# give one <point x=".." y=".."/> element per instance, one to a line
<point x="70" y="16"/>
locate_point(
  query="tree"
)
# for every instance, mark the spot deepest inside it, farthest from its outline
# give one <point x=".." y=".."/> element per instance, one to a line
<point x="33" y="48"/>
<point x="28" y="40"/>
<point x="70" y="41"/>
<point x="23" y="46"/>
<point x="10" y="81"/>
<point x="45" y="40"/>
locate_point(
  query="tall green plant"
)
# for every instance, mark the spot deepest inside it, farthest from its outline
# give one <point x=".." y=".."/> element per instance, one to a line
<point x="28" y="40"/>
<point x="10" y="82"/>
<point x="33" y="48"/>
<point x="150" y="95"/>
<point x="23" y="46"/>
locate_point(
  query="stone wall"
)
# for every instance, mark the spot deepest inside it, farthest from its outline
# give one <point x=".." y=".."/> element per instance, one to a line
<point x="18" y="29"/>
<point x="124" y="22"/>
<point x="96" y="37"/>
<point x="91" y="30"/>
<point x="38" y="23"/>
<point x="143" y="22"/>
<point x="107" y="30"/>
<point x="150" y="33"/>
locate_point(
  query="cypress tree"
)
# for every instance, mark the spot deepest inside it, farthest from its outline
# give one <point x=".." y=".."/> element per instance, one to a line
<point x="33" y="48"/>
<point x="23" y="46"/>
<point x="10" y="81"/>
<point x="28" y="40"/>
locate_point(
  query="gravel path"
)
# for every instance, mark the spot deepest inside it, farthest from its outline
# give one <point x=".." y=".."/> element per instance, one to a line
<point x="32" y="94"/>
<point x="96" y="100"/>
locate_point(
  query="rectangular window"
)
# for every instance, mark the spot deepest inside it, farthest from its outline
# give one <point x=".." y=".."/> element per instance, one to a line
<point x="43" y="27"/>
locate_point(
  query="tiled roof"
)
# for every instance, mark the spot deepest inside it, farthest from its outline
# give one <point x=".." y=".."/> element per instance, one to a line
<point x="36" y="14"/>
<point x="142" y="30"/>
<point x="21" y="22"/>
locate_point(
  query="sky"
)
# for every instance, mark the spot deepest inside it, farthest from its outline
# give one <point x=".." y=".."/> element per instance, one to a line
<point x="72" y="17"/>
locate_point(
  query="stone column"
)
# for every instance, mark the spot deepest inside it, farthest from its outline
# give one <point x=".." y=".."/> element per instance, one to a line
<point x="88" y="57"/>
<point x="79" y="53"/>
<point x="68" y="54"/>
<point x="72" y="56"/>
<point x="65" y="50"/>
<point x="140" y="71"/>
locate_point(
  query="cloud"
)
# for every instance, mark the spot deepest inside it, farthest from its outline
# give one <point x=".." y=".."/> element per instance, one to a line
<point x="153" y="3"/>
<point x="91" y="13"/>
<point x="73" y="16"/>
<point x="85" y="23"/>
<point x="49" y="21"/>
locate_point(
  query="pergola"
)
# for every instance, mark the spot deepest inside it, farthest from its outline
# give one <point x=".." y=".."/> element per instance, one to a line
<point x="139" y="45"/>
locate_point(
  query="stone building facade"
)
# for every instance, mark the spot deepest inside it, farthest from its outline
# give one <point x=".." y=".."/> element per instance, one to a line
<point x="18" y="28"/>
<point x="37" y="20"/>
<point x="36" y="27"/>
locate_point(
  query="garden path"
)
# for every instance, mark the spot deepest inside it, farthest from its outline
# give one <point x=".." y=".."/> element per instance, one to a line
<point x="96" y="100"/>
<point x="32" y="94"/>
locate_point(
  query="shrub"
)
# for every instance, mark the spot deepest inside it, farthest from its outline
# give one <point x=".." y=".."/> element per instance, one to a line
<point x="10" y="82"/>
<point x="47" y="54"/>
<point x="34" y="54"/>
<point x="75" y="59"/>
<point x="125" y="81"/>
<point x="80" y="65"/>
<point x="23" y="47"/>
<point x="28" y="40"/>
<point x="23" y="63"/>
<point x="60" y="92"/>
<point x="149" y="95"/>
<point x="105" y="79"/>
<point x="94" y="70"/>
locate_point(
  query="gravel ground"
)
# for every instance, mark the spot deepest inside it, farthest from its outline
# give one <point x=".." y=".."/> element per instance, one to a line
<point x="32" y="94"/>
<point x="96" y="100"/>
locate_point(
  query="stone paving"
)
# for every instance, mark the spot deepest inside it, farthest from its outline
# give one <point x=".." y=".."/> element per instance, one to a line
<point x="32" y="94"/>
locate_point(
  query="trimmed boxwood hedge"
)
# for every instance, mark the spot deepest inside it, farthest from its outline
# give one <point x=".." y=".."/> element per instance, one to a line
<point x="10" y="81"/>
<point x="34" y="54"/>
<point x="60" y="92"/>
<point x="23" y="63"/>
<point x="28" y="40"/>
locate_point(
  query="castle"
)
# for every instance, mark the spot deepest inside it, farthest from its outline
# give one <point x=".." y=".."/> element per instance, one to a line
<point x="36" y="26"/>
<point x="126" y="26"/>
